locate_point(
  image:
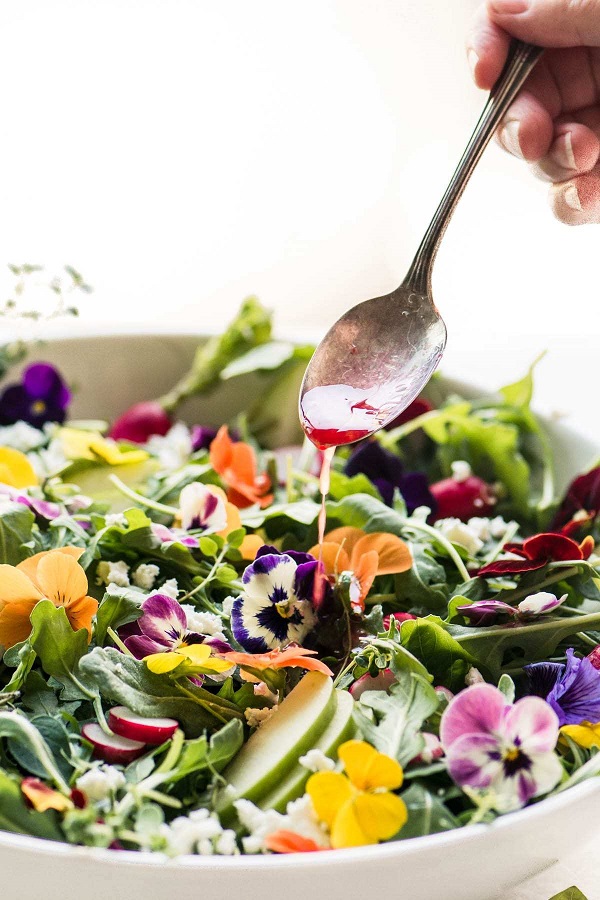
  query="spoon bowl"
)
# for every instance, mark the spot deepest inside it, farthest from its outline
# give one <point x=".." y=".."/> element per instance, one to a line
<point x="380" y="354"/>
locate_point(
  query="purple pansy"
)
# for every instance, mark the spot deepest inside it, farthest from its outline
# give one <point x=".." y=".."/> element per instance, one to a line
<point x="163" y="627"/>
<point x="43" y="508"/>
<point x="572" y="690"/>
<point x="173" y="536"/>
<point x="41" y="397"/>
<point x="386" y="471"/>
<point x="505" y="749"/>
<point x="276" y="607"/>
<point x="485" y="612"/>
<point x="201" y="507"/>
<point x="202" y="437"/>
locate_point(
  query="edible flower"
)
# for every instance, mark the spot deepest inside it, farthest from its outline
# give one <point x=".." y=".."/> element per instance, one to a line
<point x="15" y="469"/>
<point x="53" y="575"/>
<point x="385" y="470"/>
<point x="42" y="396"/>
<point x="537" y="552"/>
<point x="572" y="690"/>
<point x="358" y="806"/>
<point x="79" y="444"/>
<point x="164" y="641"/>
<point x="275" y="608"/>
<point x="484" y="612"/>
<point x="293" y="657"/>
<point x="505" y="749"/>
<point x="235" y="462"/>
<point x="205" y="507"/>
<point x="42" y="797"/>
<point x="586" y="734"/>
<point x="581" y="502"/>
<point x="285" y="841"/>
<point x="362" y="556"/>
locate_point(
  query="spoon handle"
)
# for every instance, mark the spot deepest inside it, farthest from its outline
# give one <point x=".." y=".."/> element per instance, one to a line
<point x="521" y="60"/>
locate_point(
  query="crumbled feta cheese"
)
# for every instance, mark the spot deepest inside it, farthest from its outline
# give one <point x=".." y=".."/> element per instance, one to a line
<point x="299" y="818"/>
<point x="115" y="519"/>
<point x="22" y="436"/>
<point x="170" y="588"/>
<point x="316" y="761"/>
<point x="256" y="717"/>
<point x="113" y="573"/>
<point x="172" y="449"/>
<point x="78" y="502"/>
<point x="199" y="832"/>
<point x="459" y="533"/>
<point x="228" y="606"/>
<point x="461" y="470"/>
<point x="145" y="575"/>
<point x="203" y="622"/>
<point x="101" y="782"/>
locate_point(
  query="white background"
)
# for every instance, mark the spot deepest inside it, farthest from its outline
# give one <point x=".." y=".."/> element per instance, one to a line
<point x="184" y="153"/>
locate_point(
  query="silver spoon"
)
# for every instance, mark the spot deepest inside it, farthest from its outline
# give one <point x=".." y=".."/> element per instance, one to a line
<point x="380" y="354"/>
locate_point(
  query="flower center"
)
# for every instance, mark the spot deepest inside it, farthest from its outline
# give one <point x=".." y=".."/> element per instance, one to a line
<point x="514" y="760"/>
<point x="38" y="407"/>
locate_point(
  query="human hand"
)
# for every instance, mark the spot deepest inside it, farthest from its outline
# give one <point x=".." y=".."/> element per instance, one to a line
<point x="554" y="123"/>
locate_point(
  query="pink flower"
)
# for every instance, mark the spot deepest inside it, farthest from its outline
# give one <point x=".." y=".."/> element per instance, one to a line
<point x="506" y="749"/>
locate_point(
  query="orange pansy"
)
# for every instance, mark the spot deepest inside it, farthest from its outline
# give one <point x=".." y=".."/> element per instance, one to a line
<point x="42" y="797"/>
<point x="53" y="575"/>
<point x="284" y="841"/>
<point x="293" y="657"/>
<point x="235" y="462"/>
<point x="349" y="549"/>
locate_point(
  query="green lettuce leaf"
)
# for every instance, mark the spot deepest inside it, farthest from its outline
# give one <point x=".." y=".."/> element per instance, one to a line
<point x="16" y="816"/>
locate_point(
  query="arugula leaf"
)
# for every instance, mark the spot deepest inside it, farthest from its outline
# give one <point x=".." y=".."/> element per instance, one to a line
<point x="22" y="731"/>
<point x="21" y="657"/>
<point x="397" y="716"/>
<point x="424" y="586"/>
<point x="446" y="659"/>
<point x="343" y="486"/>
<point x="427" y="814"/>
<point x="202" y="754"/>
<point x="16" y="522"/>
<point x="41" y="700"/>
<point x="56" y="737"/>
<point x="61" y="650"/>
<point x="129" y="682"/>
<point x="16" y="816"/>
<point x="267" y="356"/>
<point x="281" y="517"/>
<point x="116" y="609"/>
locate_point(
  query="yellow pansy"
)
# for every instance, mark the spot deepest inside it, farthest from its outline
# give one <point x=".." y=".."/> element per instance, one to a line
<point x="195" y="655"/>
<point x="79" y="444"/>
<point x="358" y="806"/>
<point x="15" y="469"/>
<point x="585" y="734"/>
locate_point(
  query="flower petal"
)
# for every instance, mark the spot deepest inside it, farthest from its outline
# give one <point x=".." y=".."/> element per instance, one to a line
<point x="61" y="578"/>
<point x="14" y="622"/>
<point x="394" y="555"/>
<point x="380" y="816"/>
<point x="575" y="696"/>
<point x="15" y="585"/>
<point x="284" y="841"/>
<point x="163" y="620"/>
<point x="532" y="725"/>
<point x="43" y="797"/>
<point x="333" y="557"/>
<point x="29" y="566"/>
<point x="347" y="536"/>
<point x="474" y="760"/>
<point x="478" y="709"/>
<point x="368" y="769"/>
<point x="329" y="791"/>
<point x="550" y="546"/>
<point x="586" y="734"/>
<point x="160" y="663"/>
<point x="81" y="612"/>
<point x="539" y="603"/>
<point x="15" y="469"/>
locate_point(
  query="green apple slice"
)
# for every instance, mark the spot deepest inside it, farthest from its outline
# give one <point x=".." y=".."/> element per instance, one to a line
<point x="274" y="748"/>
<point x="340" y="729"/>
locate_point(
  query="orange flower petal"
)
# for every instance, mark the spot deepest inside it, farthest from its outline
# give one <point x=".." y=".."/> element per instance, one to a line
<point x="220" y="450"/>
<point x="15" y="585"/>
<point x="14" y="621"/>
<point x="587" y="546"/>
<point x="333" y="556"/>
<point x="61" y="578"/>
<point x="289" y="842"/>
<point x="294" y="657"/>
<point x="365" y="573"/>
<point x="243" y="463"/>
<point x="394" y="555"/>
<point x="250" y="546"/>
<point x="347" y="536"/>
<point x="81" y="612"/>
<point x="43" y="797"/>
<point x="29" y="566"/>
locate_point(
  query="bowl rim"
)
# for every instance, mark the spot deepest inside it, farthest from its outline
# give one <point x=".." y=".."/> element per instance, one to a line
<point x="365" y="854"/>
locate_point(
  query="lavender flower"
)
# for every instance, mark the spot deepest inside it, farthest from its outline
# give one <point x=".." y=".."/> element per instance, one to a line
<point x="572" y="690"/>
<point x="41" y="397"/>
<point x="485" y="612"/>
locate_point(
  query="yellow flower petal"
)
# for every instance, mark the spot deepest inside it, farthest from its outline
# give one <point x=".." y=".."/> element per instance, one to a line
<point x="329" y="791"/>
<point x="111" y="453"/>
<point x="196" y="653"/>
<point x="586" y="734"/>
<point x="346" y="830"/>
<point x="61" y="578"/>
<point x="368" y="769"/>
<point x="380" y="816"/>
<point x="15" y="469"/>
<point x="159" y="663"/>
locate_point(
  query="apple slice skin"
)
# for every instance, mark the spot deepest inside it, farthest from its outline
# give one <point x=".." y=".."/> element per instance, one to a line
<point x="128" y="724"/>
<point x="112" y="749"/>
<point x="340" y="729"/>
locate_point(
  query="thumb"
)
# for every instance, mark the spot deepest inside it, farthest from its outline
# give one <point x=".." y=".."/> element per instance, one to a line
<point x="549" y="23"/>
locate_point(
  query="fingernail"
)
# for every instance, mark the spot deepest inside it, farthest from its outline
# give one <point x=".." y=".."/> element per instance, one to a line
<point x="509" y="137"/>
<point x="562" y="152"/>
<point x="571" y="198"/>
<point x="472" y="59"/>
<point x="508" y="7"/>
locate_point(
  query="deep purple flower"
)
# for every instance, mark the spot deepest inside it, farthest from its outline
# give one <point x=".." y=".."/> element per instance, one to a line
<point x="163" y="627"/>
<point x="491" y="745"/>
<point x="41" y="397"/>
<point x="276" y="608"/>
<point x="574" y="694"/>
<point x="202" y="437"/>
<point x="386" y="471"/>
<point x="485" y="612"/>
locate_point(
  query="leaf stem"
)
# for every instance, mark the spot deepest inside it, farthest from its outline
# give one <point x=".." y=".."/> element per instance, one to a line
<point x="140" y="499"/>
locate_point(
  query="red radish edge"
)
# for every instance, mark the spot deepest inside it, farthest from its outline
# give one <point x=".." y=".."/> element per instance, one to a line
<point x="380" y="682"/>
<point x="112" y="748"/>
<point x="128" y="724"/>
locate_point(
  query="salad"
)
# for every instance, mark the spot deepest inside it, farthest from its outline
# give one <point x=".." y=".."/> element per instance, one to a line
<point x="186" y="670"/>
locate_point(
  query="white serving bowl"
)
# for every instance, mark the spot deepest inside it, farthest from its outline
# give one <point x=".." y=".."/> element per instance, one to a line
<point x="475" y="863"/>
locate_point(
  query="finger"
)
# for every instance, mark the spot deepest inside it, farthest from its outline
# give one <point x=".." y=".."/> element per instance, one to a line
<point x="549" y="23"/>
<point x="487" y="49"/>
<point x="574" y="151"/>
<point x="577" y="202"/>
<point x="527" y="130"/>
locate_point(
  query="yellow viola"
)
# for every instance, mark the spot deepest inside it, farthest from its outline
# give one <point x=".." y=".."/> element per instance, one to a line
<point x="50" y="575"/>
<point x="78" y="444"/>
<point x="15" y="469"/>
<point x="197" y="657"/>
<point x="585" y="734"/>
<point x="358" y="806"/>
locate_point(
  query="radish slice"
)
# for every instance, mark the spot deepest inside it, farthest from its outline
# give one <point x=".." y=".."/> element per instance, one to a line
<point x="112" y="748"/>
<point x="128" y="724"/>
<point x="381" y="682"/>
